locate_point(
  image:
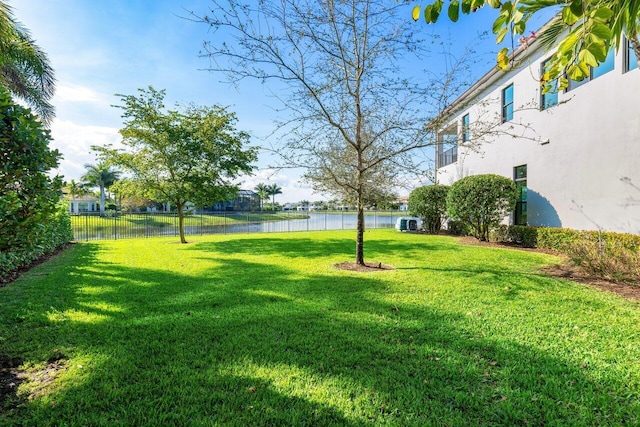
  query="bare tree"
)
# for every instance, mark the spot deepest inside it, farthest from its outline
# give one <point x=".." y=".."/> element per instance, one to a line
<point x="354" y="115"/>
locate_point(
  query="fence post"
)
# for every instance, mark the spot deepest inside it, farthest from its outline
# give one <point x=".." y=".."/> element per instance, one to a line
<point x="86" y="222"/>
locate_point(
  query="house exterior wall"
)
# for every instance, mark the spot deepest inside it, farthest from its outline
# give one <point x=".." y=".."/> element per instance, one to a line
<point x="582" y="155"/>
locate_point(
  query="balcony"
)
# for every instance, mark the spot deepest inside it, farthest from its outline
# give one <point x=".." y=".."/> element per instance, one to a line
<point x="448" y="156"/>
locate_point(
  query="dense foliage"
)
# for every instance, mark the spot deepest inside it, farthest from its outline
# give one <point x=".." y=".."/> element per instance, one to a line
<point x="481" y="201"/>
<point x="430" y="204"/>
<point x="30" y="224"/>
<point x="193" y="154"/>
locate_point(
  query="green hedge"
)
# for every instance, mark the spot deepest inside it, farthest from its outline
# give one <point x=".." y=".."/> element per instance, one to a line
<point x="37" y="242"/>
<point x="606" y="254"/>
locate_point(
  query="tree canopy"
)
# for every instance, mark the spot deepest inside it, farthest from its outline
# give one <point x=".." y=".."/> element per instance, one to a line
<point x="190" y="154"/>
<point x="28" y="194"/>
<point x="24" y="68"/>
<point x="584" y="30"/>
<point x="352" y="110"/>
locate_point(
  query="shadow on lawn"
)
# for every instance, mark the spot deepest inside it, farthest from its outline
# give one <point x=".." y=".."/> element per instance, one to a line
<point x="309" y="248"/>
<point x="287" y="349"/>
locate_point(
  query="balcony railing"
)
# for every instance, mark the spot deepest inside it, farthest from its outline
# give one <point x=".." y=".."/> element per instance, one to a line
<point x="447" y="157"/>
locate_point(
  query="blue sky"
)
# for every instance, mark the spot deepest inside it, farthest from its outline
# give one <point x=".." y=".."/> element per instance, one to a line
<point x="102" y="47"/>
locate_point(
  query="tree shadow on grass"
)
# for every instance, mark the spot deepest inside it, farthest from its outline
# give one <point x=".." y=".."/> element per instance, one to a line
<point x="284" y="348"/>
<point x="296" y="246"/>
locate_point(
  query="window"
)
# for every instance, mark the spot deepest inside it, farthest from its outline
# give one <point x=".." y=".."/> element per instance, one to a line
<point x="520" y="178"/>
<point x="631" y="60"/>
<point x="604" y="67"/>
<point x="550" y="98"/>
<point x="465" y="128"/>
<point x="507" y="103"/>
<point x="447" y="149"/>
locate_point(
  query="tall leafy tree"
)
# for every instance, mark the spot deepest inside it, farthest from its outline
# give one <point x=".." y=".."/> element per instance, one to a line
<point x="24" y="68"/>
<point x="192" y="154"/>
<point x="584" y="30"/>
<point x="273" y="191"/>
<point x="102" y="176"/>
<point x="340" y="64"/>
<point x="262" y="190"/>
<point x="28" y="194"/>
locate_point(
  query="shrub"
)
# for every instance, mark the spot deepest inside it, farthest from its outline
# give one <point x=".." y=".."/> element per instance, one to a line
<point x="457" y="228"/>
<point x="429" y="203"/>
<point x="523" y="235"/>
<point x="609" y="255"/>
<point x="29" y="225"/>
<point x="481" y="202"/>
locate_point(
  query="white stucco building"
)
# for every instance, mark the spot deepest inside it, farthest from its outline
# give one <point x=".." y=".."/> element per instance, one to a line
<point x="575" y="153"/>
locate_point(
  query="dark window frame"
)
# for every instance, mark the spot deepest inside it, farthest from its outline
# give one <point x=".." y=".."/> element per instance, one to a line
<point x="466" y="136"/>
<point x="506" y="114"/>
<point x="520" y="212"/>
<point x="552" y="95"/>
<point x="629" y="55"/>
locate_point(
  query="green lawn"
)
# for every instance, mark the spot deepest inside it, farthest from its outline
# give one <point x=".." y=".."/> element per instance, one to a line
<point x="262" y="330"/>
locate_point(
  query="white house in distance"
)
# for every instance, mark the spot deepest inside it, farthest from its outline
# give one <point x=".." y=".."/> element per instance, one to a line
<point x="575" y="154"/>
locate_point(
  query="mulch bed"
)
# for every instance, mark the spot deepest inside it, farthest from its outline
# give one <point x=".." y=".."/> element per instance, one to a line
<point x="369" y="267"/>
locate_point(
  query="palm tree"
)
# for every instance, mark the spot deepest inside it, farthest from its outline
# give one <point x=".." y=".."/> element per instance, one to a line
<point x="101" y="176"/>
<point x="273" y="190"/>
<point x="263" y="192"/>
<point x="75" y="189"/>
<point x="25" y="71"/>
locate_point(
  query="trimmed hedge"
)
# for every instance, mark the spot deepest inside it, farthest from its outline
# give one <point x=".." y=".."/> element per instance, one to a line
<point x="605" y="254"/>
<point x="43" y="240"/>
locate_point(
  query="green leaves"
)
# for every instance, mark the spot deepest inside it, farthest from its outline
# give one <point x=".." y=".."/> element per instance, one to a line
<point x="190" y="154"/>
<point x="454" y="10"/>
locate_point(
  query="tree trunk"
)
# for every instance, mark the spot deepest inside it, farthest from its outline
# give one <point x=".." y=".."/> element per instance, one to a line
<point x="102" y="201"/>
<point x="181" y="222"/>
<point x="360" y="235"/>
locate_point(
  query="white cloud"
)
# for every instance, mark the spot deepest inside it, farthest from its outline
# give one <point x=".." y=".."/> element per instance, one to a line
<point x="74" y="141"/>
<point x="76" y="93"/>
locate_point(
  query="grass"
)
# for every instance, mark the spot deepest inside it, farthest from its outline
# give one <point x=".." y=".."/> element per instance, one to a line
<point x="262" y="330"/>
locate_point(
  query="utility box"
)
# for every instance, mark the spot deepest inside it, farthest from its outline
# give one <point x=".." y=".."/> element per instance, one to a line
<point x="408" y="223"/>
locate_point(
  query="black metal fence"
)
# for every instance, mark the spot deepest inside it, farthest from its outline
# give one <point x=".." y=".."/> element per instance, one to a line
<point x="150" y="224"/>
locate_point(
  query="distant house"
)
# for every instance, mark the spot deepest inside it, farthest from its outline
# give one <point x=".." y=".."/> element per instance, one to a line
<point x="83" y="204"/>
<point x="403" y="203"/>
<point x="246" y="200"/>
<point x="289" y="207"/>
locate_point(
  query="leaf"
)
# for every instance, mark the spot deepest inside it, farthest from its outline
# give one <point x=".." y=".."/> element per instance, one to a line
<point x="599" y="50"/>
<point x="503" y="59"/>
<point x="602" y="14"/>
<point x="427" y="14"/>
<point x="499" y="22"/>
<point x="466" y="6"/>
<point x="568" y="17"/>
<point x="520" y="27"/>
<point x="568" y="42"/>
<point x="576" y="8"/>
<point x="494" y="3"/>
<point x="588" y="58"/>
<point x="454" y="10"/>
<point x="601" y="31"/>
<point x="415" y="13"/>
<point x="501" y="34"/>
